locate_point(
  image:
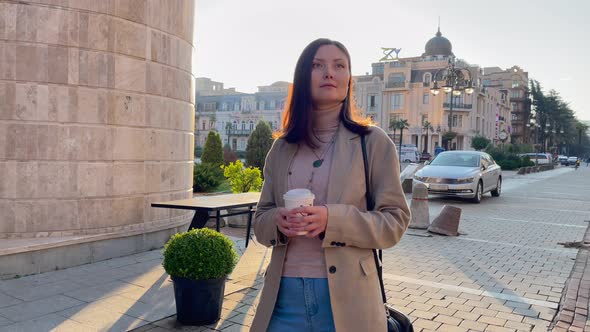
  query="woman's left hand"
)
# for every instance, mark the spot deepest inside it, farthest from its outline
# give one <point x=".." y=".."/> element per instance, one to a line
<point x="313" y="219"/>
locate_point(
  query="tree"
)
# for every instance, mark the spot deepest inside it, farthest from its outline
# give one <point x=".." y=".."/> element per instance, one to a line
<point x="242" y="179"/>
<point x="212" y="152"/>
<point x="447" y="137"/>
<point x="480" y="142"/>
<point x="401" y="125"/>
<point x="259" y="143"/>
<point x="393" y="126"/>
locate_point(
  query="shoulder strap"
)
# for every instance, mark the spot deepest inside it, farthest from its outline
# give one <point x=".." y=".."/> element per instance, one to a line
<point x="371" y="206"/>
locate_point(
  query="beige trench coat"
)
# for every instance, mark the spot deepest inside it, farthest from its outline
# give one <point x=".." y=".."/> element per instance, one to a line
<point x="351" y="232"/>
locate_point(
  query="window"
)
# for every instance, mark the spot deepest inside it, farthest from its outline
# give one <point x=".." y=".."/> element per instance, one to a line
<point x="203" y="125"/>
<point x="487" y="82"/>
<point x="236" y="107"/>
<point x="224" y="107"/>
<point x="211" y="124"/>
<point x="372" y="101"/>
<point x="242" y="145"/>
<point x="457" y="120"/>
<point x="514" y="83"/>
<point x="514" y="117"/>
<point x="251" y="125"/>
<point x="515" y="94"/>
<point x="424" y="118"/>
<point x="425" y="98"/>
<point x="427" y="78"/>
<point x="209" y="106"/>
<point x="396" y="78"/>
<point x="261" y="105"/>
<point x="396" y="101"/>
<point x="243" y="125"/>
<point x="235" y="125"/>
<point x="272" y="104"/>
<point x="394" y="117"/>
<point x="514" y="107"/>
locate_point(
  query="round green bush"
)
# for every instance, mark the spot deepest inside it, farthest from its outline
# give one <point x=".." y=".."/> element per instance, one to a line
<point x="199" y="254"/>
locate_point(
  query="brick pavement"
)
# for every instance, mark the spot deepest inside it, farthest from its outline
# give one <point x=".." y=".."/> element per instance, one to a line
<point x="506" y="272"/>
<point x="573" y="308"/>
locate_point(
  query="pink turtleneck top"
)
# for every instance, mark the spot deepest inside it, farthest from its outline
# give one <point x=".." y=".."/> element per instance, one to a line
<point x="305" y="256"/>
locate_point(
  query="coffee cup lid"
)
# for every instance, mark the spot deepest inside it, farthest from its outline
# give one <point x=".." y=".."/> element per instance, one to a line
<point x="298" y="193"/>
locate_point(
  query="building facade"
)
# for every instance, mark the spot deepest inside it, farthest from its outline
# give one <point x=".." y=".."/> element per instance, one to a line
<point x="516" y="82"/>
<point x="400" y="89"/>
<point x="234" y="114"/>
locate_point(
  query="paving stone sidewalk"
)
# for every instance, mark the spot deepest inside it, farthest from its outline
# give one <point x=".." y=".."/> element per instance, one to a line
<point x="506" y="272"/>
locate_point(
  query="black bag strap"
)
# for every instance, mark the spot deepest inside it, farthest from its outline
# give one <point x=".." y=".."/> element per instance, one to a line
<point x="370" y="206"/>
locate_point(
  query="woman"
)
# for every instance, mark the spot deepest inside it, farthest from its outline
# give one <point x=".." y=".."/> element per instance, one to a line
<point x="326" y="280"/>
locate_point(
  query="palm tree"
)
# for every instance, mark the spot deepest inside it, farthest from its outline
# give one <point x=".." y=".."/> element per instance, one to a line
<point x="401" y="125"/>
<point x="428" y="127"/>
<point x="393" y="126"/>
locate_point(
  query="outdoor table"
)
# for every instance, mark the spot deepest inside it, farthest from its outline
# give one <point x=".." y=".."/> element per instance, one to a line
<point x="202" y="205"/>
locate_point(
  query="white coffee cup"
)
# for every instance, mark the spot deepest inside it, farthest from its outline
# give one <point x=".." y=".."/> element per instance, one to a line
<point x="295" y="198"/>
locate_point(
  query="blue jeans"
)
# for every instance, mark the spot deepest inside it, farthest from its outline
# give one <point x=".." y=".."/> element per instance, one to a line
<point x="303" y="305"/>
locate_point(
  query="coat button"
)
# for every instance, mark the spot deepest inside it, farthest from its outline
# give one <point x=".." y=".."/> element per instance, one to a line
<point x="334" y="243"/>
<point x="273" y="242"/>
<point x="332" y="269"/>
<point x="343" y="244"/>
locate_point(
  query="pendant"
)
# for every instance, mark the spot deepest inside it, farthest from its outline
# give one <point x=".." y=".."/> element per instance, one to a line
<point x="318" y="163"/>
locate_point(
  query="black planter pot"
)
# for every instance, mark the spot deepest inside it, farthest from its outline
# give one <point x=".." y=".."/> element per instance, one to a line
<point x="198" y="302"/>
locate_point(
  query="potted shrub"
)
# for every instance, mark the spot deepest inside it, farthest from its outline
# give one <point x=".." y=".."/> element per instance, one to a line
<point x="242" y="180"/>
<point x="198" y="262"/>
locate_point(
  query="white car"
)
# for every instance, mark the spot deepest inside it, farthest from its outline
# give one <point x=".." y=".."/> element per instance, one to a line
<point x="467" y="174"/>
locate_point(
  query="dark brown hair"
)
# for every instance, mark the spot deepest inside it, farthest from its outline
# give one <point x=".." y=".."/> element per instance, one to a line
<point x="297" y="120"/>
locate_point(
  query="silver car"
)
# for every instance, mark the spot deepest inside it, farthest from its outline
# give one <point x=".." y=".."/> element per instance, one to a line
<point x="467" y="174"/>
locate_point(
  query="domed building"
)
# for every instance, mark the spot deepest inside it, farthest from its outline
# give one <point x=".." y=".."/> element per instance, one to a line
<point x="399" y="89"/>
<point x="438" y="45"/>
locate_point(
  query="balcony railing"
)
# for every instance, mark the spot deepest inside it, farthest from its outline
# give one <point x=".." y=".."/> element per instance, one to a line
<point x="426" y="84"/>
<point x="239" y="132"/>
<point x="458" y="106"/>
<point x="395" y="85"/>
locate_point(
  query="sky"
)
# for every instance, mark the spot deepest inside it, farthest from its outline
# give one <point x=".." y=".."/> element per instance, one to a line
<point x="250" y="43"/>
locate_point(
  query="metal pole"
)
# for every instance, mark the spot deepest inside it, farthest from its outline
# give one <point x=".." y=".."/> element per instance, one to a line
<point x="451" y="114"/>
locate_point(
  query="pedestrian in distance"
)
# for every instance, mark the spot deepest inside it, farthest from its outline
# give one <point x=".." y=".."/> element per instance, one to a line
<point x="326" y="280"/>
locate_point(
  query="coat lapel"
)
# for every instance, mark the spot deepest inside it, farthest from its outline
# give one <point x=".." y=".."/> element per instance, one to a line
<point x="346" y="149"/>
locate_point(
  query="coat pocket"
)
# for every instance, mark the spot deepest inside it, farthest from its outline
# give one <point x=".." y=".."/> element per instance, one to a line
<point x="368" y="265"/>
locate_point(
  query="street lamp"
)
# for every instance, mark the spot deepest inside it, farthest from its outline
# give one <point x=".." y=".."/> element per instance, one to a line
<point x="455" y="81"/>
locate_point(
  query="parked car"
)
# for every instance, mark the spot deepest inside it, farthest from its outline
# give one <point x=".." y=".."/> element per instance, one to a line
<point x="539" y="158"/>
<point x="562" y="160"/>
<point x="468" y="174"/>
<point x="571" y="161"/>
<point x="425" y="156"/>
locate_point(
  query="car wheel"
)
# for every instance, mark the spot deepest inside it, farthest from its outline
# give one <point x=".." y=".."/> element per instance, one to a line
<point x="496" y="192"/>
<point x="407" y="161"/>
<point x="478" y="193"/>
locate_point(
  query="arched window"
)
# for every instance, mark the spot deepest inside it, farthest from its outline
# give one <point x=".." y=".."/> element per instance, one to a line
<point x="251" y="125"/>
<point x="243" y="125"/>
<point x="427" y="78"/>
<point x="235" y="125"/>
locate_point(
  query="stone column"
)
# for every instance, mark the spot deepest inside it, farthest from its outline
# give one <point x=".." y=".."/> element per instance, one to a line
<point x="96" y="115"/>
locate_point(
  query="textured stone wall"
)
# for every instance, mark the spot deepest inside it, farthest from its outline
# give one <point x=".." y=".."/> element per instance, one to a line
<point x="96" y="115"/>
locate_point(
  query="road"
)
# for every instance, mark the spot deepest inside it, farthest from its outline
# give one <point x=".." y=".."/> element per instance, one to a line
<point x="507" y="270"/>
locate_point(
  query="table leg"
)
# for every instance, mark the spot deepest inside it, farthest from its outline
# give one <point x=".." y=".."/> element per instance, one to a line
<point x="217" y="220"/>
<point x="199" y="219"/>
<point x="248" y="227"/>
